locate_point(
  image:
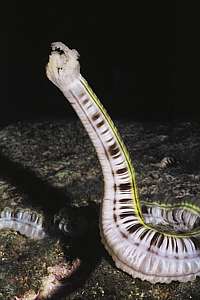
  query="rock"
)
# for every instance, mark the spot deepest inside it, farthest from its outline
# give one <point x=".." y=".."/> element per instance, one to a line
<point x="50" y="165"/>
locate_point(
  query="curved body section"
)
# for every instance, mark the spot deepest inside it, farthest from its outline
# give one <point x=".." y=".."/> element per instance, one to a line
<point x="24" y="221"/>
<point x="154" y="243"/>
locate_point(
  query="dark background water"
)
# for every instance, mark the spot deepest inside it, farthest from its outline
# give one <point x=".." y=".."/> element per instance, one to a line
<point x="128" y="51"/>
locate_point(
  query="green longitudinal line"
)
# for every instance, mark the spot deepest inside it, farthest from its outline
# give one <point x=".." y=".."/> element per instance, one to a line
<point x="153" y="241"/>
<point x="137" y="205"/>
<point x="123" y="149"/>
<point x="189" y="206"/>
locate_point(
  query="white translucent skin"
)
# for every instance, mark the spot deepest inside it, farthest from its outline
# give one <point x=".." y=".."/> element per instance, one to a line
<point x="23" y="222"/>
<point x="156" y="257"/>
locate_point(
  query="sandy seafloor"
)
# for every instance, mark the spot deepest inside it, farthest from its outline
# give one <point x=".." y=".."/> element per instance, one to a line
<point x="51" y="165"/>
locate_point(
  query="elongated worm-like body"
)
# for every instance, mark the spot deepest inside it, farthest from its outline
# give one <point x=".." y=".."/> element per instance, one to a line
<point x="154" y="242"/>
<point x="25" y="221"/>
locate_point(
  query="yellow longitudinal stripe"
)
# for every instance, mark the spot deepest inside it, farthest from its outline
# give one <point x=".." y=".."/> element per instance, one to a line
<point x="134" y="191"/>
<point x="188" y="205"/>
<point x="131" y="171"/>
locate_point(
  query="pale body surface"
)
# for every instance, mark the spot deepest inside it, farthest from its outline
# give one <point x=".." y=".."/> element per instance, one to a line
<point x="158" y="242"/>
<point x="155" y="183"/>
<point x="56" y="151"/>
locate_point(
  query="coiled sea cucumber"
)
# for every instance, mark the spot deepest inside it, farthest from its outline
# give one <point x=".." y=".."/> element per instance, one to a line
<point x="158" y="243"/>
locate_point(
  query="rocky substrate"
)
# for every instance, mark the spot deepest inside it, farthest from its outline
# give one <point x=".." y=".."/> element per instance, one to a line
<point x="51" y="168"/>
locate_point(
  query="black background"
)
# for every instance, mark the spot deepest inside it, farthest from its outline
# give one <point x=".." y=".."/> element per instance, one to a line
<point x="128" y="54"/>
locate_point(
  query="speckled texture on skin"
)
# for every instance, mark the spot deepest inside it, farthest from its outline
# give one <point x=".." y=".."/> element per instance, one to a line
<point x="58" y="167"/>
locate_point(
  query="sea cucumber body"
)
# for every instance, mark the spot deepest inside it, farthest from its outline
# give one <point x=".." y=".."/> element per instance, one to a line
<point x="127" y="228"/>
<point x="24" y="221"/>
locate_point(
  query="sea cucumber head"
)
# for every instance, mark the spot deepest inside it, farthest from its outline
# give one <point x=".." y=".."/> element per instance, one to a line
<point x="63" y="65"/>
